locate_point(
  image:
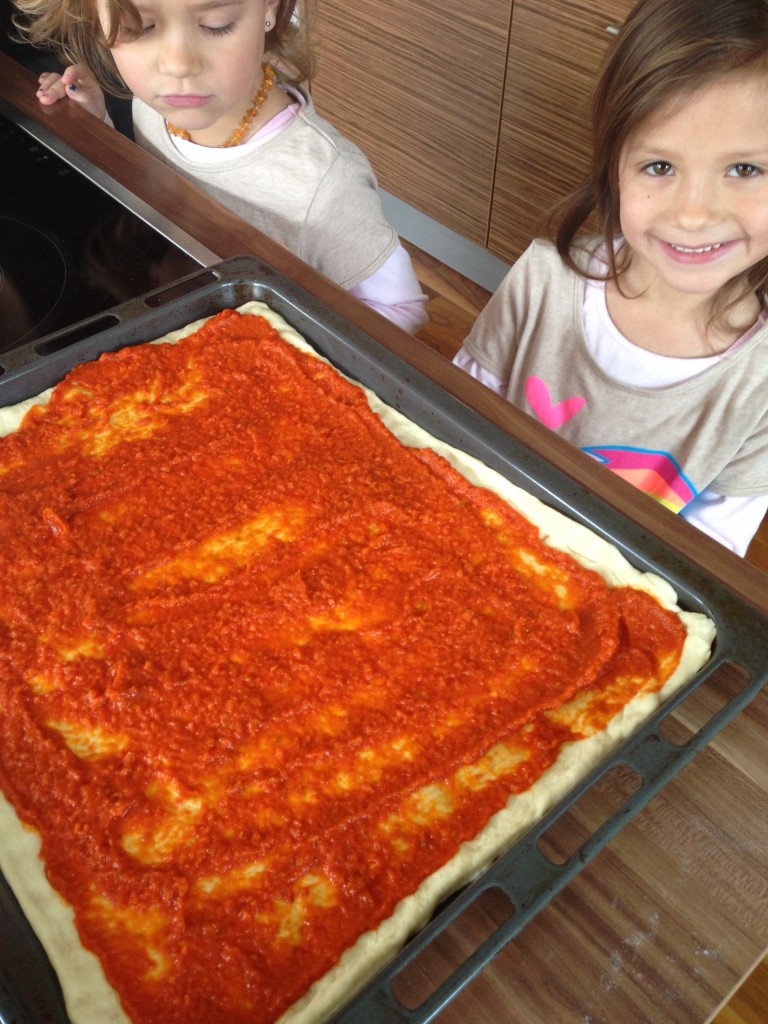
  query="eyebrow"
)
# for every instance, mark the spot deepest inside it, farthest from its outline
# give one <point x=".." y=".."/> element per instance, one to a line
<point x="752" y="148"/>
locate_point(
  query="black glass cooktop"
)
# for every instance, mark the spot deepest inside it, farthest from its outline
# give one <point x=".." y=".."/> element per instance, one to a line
<point x="68" y="250"/>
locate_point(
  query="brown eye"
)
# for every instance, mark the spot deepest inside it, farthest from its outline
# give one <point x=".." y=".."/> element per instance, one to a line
<point x="745" y="170"/>
<point x="658" y="169"/>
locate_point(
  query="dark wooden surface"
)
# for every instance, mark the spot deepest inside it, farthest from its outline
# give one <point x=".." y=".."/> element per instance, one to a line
<point x="664" y="924"/>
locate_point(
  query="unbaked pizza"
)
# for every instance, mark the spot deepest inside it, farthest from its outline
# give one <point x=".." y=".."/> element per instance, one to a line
<point x="278" y="671"/>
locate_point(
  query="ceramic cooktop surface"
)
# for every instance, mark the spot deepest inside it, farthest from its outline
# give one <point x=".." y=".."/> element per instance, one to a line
<point x="68" y="250"/>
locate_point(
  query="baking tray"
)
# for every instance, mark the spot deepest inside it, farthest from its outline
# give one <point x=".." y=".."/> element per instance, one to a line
<point x="29" y="990"/>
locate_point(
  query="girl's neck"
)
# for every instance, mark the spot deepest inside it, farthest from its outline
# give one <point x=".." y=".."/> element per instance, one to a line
<point x="672" y="323"/>
<point x="221" y="133"/>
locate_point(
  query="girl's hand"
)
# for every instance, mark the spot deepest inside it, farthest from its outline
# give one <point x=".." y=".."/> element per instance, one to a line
<point x="76" y="84"/>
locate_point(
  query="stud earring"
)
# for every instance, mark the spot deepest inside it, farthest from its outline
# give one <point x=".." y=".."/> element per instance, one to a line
<point x="267" y="25"/>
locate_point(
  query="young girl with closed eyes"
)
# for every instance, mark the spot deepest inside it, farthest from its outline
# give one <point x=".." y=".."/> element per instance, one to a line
<point x="217" y="95"/>
<point x="647" y="347"/>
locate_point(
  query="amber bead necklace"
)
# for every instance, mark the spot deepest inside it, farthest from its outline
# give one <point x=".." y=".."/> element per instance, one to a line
<point x="243" y="128"/>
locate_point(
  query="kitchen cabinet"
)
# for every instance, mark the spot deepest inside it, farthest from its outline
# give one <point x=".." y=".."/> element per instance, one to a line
<point x="555" y="51"/>
<point x="419" y="88"/>
<point x="476" y="116"/>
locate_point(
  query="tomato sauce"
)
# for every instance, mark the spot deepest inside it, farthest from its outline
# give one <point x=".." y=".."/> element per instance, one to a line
<point x="263" y="669"/>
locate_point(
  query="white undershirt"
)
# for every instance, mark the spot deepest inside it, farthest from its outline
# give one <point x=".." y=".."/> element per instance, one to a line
<point x="630" y="364"/>
<point x="214" y="155"/>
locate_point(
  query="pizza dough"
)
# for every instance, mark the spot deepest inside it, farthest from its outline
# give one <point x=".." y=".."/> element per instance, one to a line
<point x="90" y="1000"/>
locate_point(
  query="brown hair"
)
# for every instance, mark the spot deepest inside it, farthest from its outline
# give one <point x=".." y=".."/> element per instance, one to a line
<point x="73" y="30"/>
<point x="665" y="49"/>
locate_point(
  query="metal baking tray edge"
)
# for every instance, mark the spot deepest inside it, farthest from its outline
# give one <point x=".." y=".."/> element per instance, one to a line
<point x="29" y="989"/>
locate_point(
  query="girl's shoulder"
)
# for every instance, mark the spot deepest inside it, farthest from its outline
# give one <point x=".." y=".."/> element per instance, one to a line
<point x="539" y="287"/>
<point x="314" y="118"/>
<point x="542" y="267"/>
<point x="585" y="251"/>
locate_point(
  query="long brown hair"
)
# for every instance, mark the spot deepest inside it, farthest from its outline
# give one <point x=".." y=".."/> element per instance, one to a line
<point x="665" y="49"/>
<point x="72" y="29"/>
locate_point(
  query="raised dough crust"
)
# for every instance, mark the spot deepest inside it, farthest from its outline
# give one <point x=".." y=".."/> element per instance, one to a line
<point x="90" y="1000"/>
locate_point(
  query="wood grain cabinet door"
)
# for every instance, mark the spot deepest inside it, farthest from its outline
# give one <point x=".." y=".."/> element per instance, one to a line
<point x="418" y="86"/>
<point x="555" y="52"/>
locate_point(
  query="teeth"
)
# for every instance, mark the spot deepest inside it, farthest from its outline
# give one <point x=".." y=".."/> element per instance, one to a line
<point x="704" y="248"/>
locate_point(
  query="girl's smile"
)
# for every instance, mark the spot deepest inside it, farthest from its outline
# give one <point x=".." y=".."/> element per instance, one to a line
<point x="687" y="255"/>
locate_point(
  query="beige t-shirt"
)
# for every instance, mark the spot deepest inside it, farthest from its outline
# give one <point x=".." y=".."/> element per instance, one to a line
<point x="308" y="187"/>
<point x="709" y="431"/>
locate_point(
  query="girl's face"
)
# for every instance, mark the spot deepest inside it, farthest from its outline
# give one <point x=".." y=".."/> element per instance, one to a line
<point x="693" y="187"/>
<point x="197" y="62"/>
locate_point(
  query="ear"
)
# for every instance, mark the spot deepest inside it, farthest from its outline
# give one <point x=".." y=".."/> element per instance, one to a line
<point x="271" y="8"/>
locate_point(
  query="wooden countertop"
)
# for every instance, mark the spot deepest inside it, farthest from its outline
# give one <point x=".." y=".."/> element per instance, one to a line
<point x="666" y="921"/>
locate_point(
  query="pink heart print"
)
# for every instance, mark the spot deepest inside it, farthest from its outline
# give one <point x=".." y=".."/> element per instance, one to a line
<point x="552" y="416"/>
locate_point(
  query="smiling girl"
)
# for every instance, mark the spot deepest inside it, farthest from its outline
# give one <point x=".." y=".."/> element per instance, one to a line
<point x="217" y="94"/>
<point x="647" y="346"/>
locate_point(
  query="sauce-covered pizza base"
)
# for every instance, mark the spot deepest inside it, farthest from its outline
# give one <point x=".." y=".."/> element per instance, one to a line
<point x="279" y="671"/>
